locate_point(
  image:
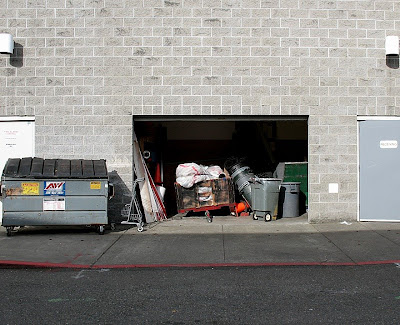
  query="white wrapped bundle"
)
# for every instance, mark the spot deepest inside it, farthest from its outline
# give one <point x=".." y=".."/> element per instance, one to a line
<point x="189" y="174"/>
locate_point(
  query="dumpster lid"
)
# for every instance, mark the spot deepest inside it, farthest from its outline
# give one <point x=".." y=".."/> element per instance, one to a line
<point x="55" y="168"/>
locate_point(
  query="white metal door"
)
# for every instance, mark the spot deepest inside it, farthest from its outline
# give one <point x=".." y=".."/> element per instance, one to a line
<point x="17" y="140"/>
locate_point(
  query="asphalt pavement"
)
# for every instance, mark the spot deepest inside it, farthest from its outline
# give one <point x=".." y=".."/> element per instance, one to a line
<point x="367" y="294"/>
<point x="194" y="242"/>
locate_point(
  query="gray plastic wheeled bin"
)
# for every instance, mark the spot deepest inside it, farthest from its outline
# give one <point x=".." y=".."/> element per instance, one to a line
<point x="265" y="197"/>
<point x="290" y="199"/>
<point x="55" y="192"/>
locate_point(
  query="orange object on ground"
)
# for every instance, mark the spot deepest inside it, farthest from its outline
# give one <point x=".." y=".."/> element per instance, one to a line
<point x="240" y="207"/>
<point x="157" y="176"/>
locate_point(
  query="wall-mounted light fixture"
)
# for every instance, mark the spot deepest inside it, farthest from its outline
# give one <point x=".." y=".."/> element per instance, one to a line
<point x="6" y="43"/>
<point x="392" y="51"/>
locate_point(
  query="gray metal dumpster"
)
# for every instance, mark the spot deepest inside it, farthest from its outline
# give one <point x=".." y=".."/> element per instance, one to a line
<point x="54" y="192"/>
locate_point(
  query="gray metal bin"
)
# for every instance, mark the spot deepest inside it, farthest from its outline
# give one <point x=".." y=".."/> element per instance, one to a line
<point x="54" y="192"/>
<point x="265" y="197"/>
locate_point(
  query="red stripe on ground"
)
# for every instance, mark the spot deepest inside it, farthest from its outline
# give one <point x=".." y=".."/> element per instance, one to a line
<point x="41" y="265"/>
<point x="14" y="264"/>
<point x="194" y="265"/>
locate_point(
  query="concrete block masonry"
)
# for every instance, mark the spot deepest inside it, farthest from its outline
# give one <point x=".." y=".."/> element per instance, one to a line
<point x="92" y="66"/>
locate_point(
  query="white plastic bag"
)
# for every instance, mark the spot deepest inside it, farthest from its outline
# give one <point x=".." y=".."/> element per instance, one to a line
<point x="189" y="174"/>
<point x="214" y="171"/>
<point x="185" y="181"/>
<point x="205" y="193"/>
<point x="189" y="181"/>
<point x="189" y="169"/>
<point x="205" y="198"/>
<point x="204" y="189"/>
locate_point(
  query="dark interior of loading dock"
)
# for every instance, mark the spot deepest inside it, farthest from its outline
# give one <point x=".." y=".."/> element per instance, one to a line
<point x="261" y="145"/>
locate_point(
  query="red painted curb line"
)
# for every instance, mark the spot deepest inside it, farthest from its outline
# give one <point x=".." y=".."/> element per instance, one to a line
<point x="44" y="265"/>
<point x="22" y="264"/>
<point x="208" y="265"/>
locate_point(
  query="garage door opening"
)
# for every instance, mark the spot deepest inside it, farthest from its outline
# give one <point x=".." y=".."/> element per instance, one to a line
<point x="260" y="144"/>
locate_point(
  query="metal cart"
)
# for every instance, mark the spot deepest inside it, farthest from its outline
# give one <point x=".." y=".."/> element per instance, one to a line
<point x="206" y="196"/>
<point x="132" y="211"/>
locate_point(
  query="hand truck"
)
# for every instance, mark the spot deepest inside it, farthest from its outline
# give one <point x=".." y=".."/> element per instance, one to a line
<point x="132" y="211"/>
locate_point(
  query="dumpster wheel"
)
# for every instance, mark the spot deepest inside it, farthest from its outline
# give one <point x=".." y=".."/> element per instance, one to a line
<point x="267" y="217"/>
<point x="100" y="229"/>
<point x="255" y="216"/>
<point x="9" y="230"/>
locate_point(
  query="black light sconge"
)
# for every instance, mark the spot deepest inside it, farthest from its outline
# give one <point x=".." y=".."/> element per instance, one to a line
<point x="392" y="51"/>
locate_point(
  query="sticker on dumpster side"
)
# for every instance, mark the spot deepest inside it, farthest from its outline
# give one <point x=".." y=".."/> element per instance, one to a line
<point x="54" y="204"/>
<point x="54" y="188"/>
<point x="30" y="188"/>
<point x="388" y="144"/>
<point x="95" y="185"/>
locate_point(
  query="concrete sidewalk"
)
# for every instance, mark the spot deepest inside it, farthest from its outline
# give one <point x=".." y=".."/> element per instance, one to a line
<point x="195" y="242"/>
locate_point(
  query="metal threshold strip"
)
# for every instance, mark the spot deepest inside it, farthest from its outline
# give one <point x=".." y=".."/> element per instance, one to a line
<point x="209" y="118"/>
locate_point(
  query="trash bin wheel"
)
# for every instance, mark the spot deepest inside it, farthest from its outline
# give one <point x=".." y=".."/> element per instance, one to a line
<point x="267" y="217"/>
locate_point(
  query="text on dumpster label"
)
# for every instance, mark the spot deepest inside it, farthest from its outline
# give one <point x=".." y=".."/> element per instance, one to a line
<point x="388" y="144"/>
<point x="54" y="188"/>
<point x="95" y="185"/>
<point x="30" y="188"/>
<point x="53" y="204"/>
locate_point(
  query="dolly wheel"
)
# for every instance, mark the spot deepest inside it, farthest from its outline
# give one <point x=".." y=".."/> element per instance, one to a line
<point x="209" y="216"/>
<point x="267" y="217"/>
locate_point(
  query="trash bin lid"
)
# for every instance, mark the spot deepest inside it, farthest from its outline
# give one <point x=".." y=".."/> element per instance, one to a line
<point x="39" y="168"/>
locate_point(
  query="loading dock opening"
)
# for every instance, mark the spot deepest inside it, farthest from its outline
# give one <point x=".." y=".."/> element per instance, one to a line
<point x="262" y="142"/>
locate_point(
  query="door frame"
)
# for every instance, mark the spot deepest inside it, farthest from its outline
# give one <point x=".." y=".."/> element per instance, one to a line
<point x="360" y="119"/>
<point x="226" y="118"/>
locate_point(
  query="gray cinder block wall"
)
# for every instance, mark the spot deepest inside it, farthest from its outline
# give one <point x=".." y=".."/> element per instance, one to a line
<point x="83" y="68"/>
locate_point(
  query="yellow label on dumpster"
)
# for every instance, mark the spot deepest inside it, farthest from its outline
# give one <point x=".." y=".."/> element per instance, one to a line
<point x="95" y="185"/>
<point x="30" y="188"/>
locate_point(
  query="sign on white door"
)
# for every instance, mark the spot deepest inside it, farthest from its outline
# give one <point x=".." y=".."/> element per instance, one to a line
<point x="17" y="140"/>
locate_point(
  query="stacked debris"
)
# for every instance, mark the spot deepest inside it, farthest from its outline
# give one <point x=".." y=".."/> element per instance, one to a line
<point x="152" y="203"/>
<point x="242" y="176"/>
<point x="203" y="189"/>
<point x="261" y="194"/>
